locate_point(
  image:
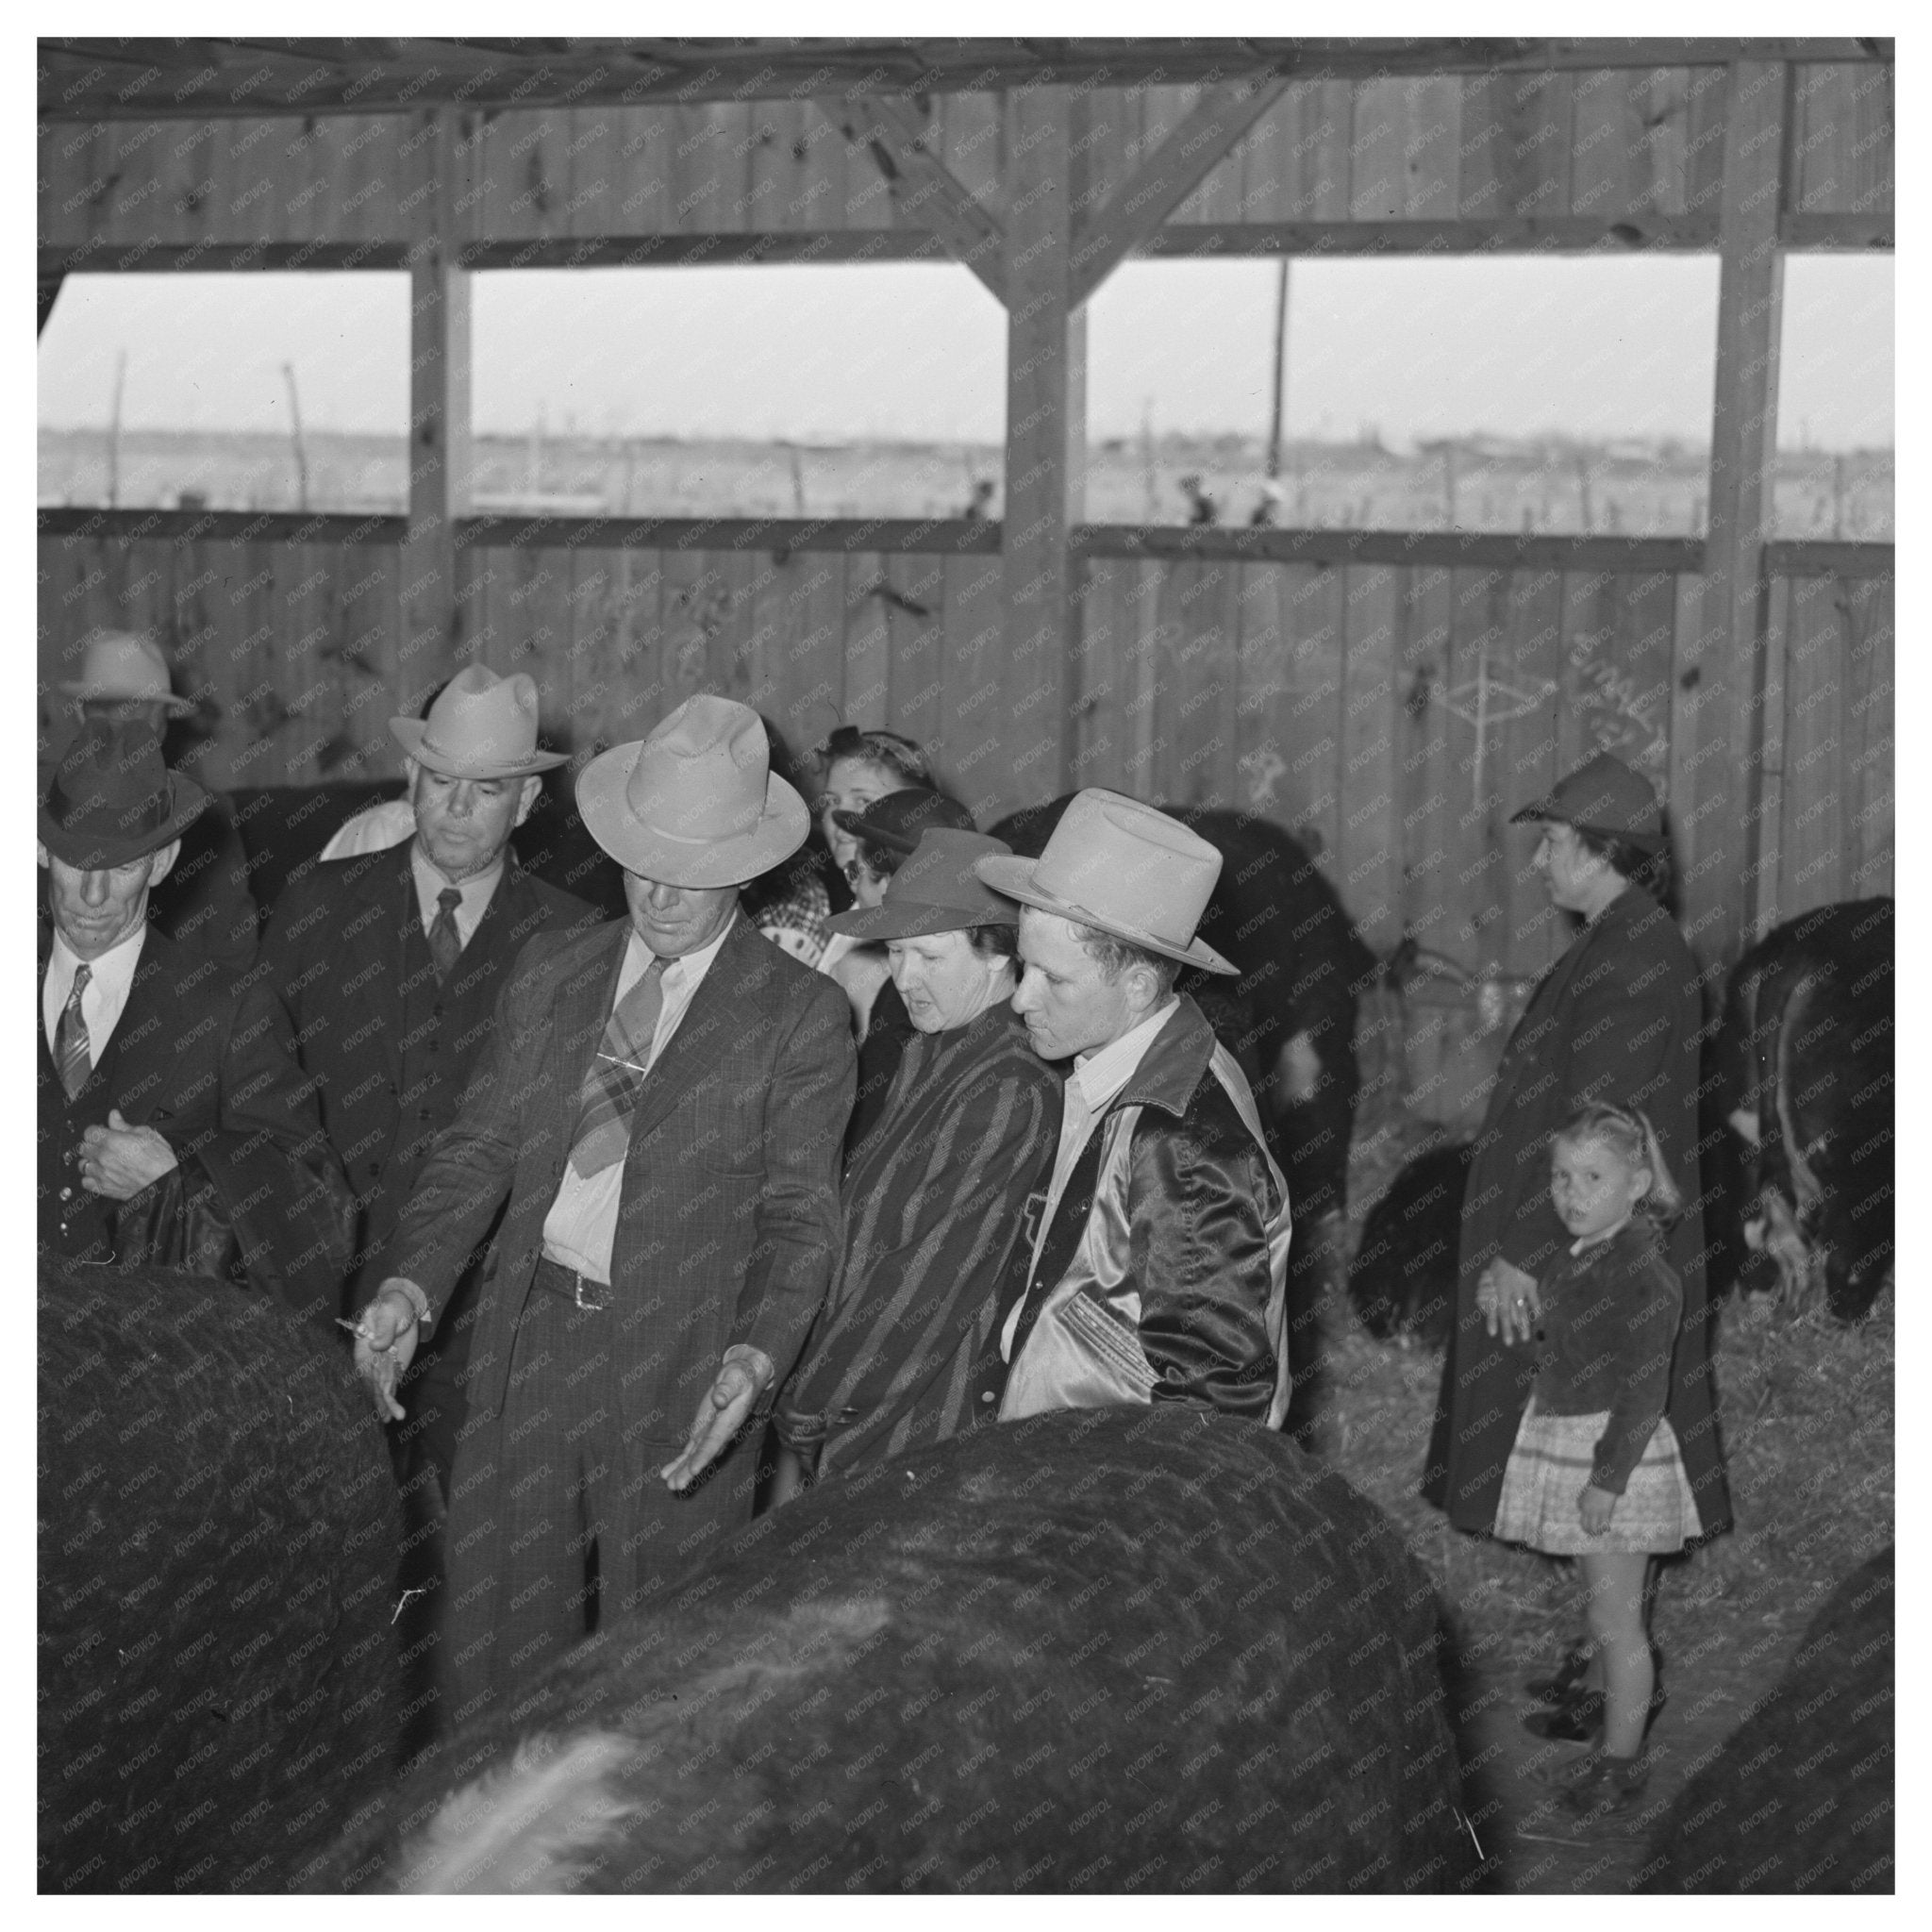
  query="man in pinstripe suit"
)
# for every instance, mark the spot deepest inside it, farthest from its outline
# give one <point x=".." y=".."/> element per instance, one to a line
<point x="661" y="1104"/>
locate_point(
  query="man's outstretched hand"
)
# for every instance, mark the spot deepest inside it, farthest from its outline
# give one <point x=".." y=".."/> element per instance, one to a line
<point x="386" y="1334"/>
<point x="744" y="1375"/>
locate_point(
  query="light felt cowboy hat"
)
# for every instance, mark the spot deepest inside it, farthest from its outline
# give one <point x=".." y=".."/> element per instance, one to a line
<point x="1122" y="868"/>
<point x="1602" y="794"/>
<point x="935" y="890"/>
<point x="694" y="804"/>
<point x="480" y="727"/>
<point x="120" y="667"/>
<point x="111" y="800"/>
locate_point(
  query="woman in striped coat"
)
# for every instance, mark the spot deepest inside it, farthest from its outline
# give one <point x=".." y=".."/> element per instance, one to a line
<point x="936" y="1197"/>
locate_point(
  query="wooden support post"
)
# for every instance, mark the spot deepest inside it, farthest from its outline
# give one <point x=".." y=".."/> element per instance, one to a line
<point x="432" y="610"/>
<point x="1046" y="446"/>
<point x="1743" y="453"/>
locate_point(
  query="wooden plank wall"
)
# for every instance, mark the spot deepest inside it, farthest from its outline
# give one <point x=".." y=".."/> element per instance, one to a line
<point x="1613" y="142"/>
<point x="1397" y="713"/>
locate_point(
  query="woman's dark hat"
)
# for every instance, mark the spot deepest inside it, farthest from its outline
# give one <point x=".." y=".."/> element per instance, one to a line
<point x="935" y="890"/>
<point x="897" y="820"/>
<point x="111" y="800"/>
<point x="1602" y="795"/>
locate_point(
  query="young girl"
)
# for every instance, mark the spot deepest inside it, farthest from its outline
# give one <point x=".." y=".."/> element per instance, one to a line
<point x="1596" y="1473"/>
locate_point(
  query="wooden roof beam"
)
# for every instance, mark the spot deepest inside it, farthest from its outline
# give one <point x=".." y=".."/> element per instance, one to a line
<point x="1140" y="204"/>
<point x="922" y="184"/>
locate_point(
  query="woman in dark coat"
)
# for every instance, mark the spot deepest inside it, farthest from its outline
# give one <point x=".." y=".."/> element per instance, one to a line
<point x="1617" y="1018"/>
<point x="936" y="1197"/>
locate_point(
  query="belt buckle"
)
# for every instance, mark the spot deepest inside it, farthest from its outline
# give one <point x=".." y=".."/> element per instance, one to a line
<point x="578" y="1284"/>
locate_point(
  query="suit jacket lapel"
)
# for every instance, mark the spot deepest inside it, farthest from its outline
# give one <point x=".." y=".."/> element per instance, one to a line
<point x="715" y="1017"/>
<point x="116" y="1064"/>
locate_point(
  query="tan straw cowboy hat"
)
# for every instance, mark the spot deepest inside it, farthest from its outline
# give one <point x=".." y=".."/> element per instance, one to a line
<point x="694" y="804"/>
<point x="111" y="800"/>
<point x="1122" y="868"/>
<point x="121" y="667"/>
<point x="480" y="727"/>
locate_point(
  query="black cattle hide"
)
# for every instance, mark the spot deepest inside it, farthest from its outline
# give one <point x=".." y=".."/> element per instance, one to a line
<point x="218" y="1531"/>
<point x="1113" y="1650"/>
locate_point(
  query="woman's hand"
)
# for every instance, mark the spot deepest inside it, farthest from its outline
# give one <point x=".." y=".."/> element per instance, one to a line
<point x="1509" y="1301"/>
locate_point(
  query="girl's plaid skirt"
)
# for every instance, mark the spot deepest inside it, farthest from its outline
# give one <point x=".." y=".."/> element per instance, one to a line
<point x="1549" y="1469"/>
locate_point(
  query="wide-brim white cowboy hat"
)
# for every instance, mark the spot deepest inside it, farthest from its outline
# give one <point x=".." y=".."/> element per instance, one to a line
<point x="1122" y="868"/>
<point x="480" y="727"/>
<point x="122" y="667"/>
<point x="694" y="804"/>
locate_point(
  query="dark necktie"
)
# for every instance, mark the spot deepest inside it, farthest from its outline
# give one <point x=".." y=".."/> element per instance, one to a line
<point x="445" y="941"/>
<point x="72" y="1051"/>
<point x="617" y="1076"/>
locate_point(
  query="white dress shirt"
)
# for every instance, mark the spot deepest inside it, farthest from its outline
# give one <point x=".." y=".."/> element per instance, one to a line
<point x="582" y="1226"/>
<point x="476" y="893"/>
<point x="1096" y="1077"/>
<point x="102" y="999"/>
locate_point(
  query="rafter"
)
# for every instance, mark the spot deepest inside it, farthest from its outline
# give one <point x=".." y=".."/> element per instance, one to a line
<point x="1139" y="204"/>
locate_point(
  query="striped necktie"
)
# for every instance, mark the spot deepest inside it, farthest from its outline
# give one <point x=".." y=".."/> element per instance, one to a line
<point x="617" y="1076"/>
<point x="72" y="1051"/>
<point x="445" y="941"/>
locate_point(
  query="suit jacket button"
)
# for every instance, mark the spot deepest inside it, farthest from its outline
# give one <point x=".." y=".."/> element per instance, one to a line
<point x="986" y="1395"/>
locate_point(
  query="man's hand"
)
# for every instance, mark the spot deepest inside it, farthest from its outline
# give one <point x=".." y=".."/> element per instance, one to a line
<point x="1509" y="1297"/>
<point x="119" y="1161"/>
<point x="745" y="1374"/>
<point x="386" y="1335"/>
<point x="1594" y="1505"/>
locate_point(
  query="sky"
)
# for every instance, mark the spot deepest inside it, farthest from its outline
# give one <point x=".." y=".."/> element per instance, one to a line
<point x="1505" y="345"/>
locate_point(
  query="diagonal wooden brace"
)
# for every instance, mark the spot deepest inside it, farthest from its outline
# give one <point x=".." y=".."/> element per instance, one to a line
<point x="1140" y="204"/>
<point x="921" y="184"/>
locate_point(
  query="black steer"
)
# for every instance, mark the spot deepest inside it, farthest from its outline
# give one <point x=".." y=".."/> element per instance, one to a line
<point x="218" y="1531"/>
<point x="1800" y="1796"/>
<point x="1403" y="1277"/>
<point x="1805" y="1068"/>
<point x="1109" y="1650"/>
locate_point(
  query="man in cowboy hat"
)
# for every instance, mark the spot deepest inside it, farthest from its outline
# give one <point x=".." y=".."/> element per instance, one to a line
<point x="390" y="966"/>
<point x="204" y="901"/>
<point x="660" y="1107"/>
<point x="173" y="1124"/>
<point x="1160" y="1270"/>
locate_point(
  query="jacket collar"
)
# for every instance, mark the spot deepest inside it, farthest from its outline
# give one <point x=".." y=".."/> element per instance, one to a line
<point x="1173" y="1065"/>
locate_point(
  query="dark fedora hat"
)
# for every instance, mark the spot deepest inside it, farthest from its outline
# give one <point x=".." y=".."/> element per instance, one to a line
<point x="935" y="890"/>
<point x="111" y="800"/>
<point x="1602" y="794"/>
<point x="897" y="820"/>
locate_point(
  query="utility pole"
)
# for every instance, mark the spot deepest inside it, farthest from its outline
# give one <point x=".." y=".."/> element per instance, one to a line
<point x="1147" y="458"/>
<point x="1280" y="369"/>
<point x="301" y="450"/>
<point x="114" y="434"/>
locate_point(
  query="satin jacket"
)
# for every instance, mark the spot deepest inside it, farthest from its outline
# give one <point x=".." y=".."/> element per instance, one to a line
<point x="1162" y="1276"/>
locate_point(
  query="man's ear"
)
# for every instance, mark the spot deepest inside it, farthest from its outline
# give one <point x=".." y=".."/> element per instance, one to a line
<point x="42" y="849"/>
<point x="163" y="861"/>
<point x="532" y="787"/>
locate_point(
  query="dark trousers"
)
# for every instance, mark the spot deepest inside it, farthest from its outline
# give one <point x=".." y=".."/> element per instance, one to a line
<point x="558" y="1521"/>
